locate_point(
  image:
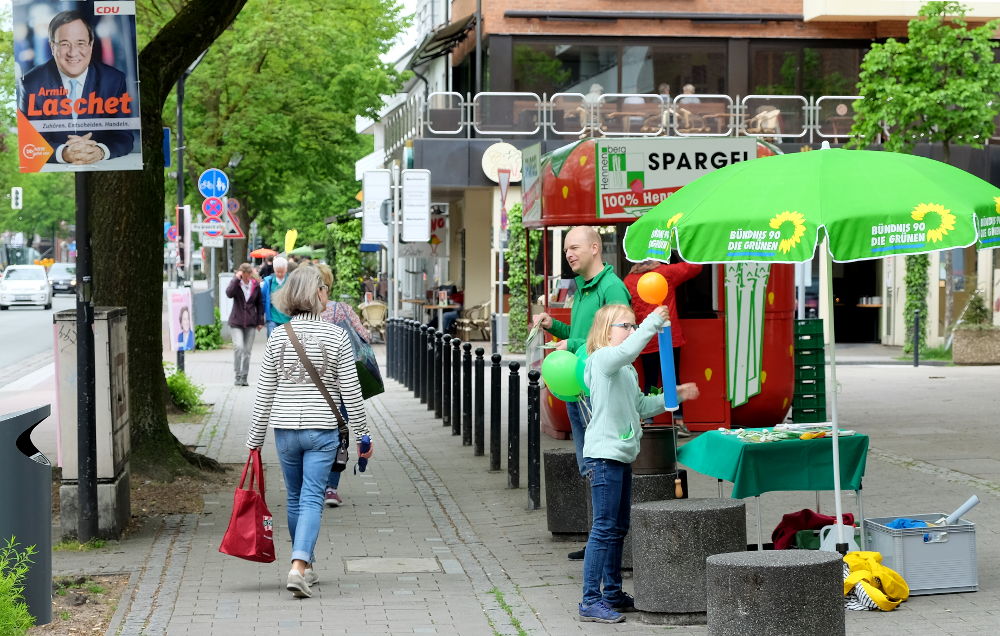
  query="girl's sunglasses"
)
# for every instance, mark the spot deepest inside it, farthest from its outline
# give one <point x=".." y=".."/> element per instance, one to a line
<point x="625" y="325"/>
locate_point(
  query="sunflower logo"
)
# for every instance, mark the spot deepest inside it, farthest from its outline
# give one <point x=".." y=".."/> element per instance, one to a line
<point x="996" y="201"/>
<point x="677" y="217"/>
<point x="798" y="222"/>
<point x="946" y="220"/>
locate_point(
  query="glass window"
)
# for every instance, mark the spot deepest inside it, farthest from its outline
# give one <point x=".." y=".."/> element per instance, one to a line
<point x="790" y="69"/>
<point x="665" y="69"/>
<point x="565" y="68"/>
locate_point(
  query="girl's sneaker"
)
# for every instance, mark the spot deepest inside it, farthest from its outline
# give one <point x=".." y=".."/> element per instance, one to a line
<point x="599" y="612"/>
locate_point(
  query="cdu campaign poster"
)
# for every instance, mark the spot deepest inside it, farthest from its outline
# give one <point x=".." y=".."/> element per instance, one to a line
<point x="76" y="68"/>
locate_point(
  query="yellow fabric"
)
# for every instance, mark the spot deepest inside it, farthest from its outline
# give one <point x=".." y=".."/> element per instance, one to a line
<point x="884" y="586"/>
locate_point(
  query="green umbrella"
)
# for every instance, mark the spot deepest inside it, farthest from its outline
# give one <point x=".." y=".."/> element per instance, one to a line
<point x="771" y="210"/>
<point x="871" y="204"/>
<point x="305" y="250"/>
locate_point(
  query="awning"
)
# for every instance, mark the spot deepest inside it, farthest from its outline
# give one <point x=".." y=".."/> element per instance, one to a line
<point x="442" y="41"/>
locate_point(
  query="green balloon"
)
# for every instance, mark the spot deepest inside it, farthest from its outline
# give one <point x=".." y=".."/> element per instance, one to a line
<point x="559" y="373"/>
<point x="564" y="398"/>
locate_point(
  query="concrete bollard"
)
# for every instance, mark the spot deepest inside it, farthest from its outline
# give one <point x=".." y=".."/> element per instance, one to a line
<point x="776" y="592"/>
<point x="670" y="542"/>
<point x="646" y="488"/>
<point x="567" y="496"/>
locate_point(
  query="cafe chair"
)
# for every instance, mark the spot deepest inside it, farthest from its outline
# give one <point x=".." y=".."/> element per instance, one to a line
<point x="373" y="318"/>
<point x="474" y="319"/>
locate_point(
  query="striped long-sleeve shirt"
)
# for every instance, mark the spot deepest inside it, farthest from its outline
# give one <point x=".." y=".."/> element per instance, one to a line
<point x="286" y="396"/>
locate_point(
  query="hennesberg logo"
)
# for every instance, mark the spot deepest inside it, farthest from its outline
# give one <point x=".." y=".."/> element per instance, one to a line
<point x="30" y="151"/>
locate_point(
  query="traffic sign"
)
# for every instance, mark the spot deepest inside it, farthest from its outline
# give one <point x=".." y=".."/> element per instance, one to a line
<point x="212" y="241"/>
<point x="233" y="229"/>
<point x="213" y="183"/>
<point x="233" y="205"/>
<point x="172" y="233"/>
<point x="212" y="227"/>
<point x="212" y="207"/>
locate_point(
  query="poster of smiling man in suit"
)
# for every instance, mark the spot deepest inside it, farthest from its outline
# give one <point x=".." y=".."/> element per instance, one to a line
<point x="77" y="85"/>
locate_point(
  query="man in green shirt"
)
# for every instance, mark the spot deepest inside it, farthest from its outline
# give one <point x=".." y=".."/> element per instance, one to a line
<point x="596" y="285"/>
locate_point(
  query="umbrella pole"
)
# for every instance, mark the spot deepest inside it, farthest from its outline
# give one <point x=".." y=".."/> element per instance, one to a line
<point x="832" y="395"/>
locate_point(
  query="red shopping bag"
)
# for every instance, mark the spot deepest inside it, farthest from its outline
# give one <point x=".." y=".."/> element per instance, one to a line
<point x="249" y="535"/>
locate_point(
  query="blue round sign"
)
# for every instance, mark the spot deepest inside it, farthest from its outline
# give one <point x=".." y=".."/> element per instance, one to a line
<point x="213" y="183"/>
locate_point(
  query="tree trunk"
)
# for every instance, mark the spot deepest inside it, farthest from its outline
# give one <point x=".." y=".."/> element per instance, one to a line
<point x="126" y="210"/>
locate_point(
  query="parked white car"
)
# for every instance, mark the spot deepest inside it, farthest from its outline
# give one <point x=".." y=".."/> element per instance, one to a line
<point x="25" y="285"/>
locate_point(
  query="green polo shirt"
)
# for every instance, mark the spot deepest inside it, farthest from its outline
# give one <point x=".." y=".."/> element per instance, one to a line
<point x="604" y="289"/>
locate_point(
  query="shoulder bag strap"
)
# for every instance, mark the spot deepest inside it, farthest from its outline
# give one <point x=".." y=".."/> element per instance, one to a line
<point x="314" y="374"/>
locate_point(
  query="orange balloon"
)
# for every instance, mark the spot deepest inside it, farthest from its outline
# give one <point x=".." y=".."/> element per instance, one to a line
<point x="652" y="288"/>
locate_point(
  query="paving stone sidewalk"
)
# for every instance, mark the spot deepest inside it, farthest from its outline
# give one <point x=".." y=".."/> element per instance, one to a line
<point x="430" y="541"/>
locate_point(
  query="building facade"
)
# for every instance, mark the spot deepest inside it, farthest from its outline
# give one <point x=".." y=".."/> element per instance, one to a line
<point x="521" y="72"/>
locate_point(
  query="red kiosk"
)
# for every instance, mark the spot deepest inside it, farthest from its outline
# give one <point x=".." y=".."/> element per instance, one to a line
<point x="566" y="185"/>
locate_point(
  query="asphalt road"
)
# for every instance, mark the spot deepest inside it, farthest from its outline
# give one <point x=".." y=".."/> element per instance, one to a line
<point x="26" y="336"/>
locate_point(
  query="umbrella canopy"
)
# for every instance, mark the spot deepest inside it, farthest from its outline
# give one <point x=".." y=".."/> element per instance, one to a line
<point x="871" y="204"/>
<point x="305" y="250"/>
<point x="263" y="252"/>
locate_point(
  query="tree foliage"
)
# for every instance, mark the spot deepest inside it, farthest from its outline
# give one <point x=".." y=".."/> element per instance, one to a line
<point x="940" y="86"/>
<point x="345" y="259"/>
<point x="282" y="89"/>
<point x="517" y="277"/>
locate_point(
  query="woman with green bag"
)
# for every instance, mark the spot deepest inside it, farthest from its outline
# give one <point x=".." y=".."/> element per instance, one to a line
<point x="343" y="315"/>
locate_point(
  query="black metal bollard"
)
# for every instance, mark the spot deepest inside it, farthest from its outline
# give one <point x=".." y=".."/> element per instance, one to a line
<point x="392" y="333"/>
<point x="467" y="394"/>
<point x="495" y="379"/>
<point x="534" y="441"/>
<point x="456" y="387"/>
<point x="410" y="339"/>
<point x="421" y="364"/>
<point x="427" y="370"/>
<point x="916" y="337"/>
<point x="389" y="367"/>
<point x="404" y="351"/>
<point x="478" y="420"/>
<point x="514" y="427"/>
<point x="446" y="379"/>
<point x="414" y="354"/>
<point x="436" y="372"/>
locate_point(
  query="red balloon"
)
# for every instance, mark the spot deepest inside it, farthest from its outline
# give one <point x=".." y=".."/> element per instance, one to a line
<point x="652" y="288"/>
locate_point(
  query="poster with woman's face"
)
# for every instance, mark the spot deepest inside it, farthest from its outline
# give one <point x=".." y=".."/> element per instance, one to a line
<point x="181" y="320"/>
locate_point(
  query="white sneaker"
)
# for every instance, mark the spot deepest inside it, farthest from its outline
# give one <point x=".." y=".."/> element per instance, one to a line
<point x="297" y="585"/>
<point x="311" y="577"/>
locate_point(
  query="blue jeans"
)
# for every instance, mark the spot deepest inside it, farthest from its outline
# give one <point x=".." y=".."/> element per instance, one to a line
<point x="270" y="324"/>
<point x="578" y="425"/>
<point x="306" y="456"/>
<point x="333" y="480"/>
<point x="611" y="494"/>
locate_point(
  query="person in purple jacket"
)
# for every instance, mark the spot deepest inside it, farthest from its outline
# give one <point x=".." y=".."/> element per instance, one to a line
<point x="245" y="319"/>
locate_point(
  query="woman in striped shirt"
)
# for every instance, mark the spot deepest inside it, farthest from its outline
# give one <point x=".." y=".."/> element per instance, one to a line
<point x="305" y="429"/>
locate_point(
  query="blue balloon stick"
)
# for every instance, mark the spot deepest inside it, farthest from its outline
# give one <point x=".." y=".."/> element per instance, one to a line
<point x="667" y="371"/>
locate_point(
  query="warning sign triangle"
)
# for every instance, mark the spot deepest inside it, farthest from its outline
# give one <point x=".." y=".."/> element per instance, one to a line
<point x="233" y="229"/>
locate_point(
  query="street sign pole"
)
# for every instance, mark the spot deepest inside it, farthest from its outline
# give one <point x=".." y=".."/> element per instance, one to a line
<point x="394" y="274"/>
<point x="86" y="416"/>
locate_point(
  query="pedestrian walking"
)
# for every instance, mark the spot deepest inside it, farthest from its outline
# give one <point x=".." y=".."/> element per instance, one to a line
<point x="305" y="429"/>
<point x="342" y="315"/>
<point x="675" y="275"/>
<point x="272" y="315"/>
<point x="245" y="319"/>
<point x="611" y="445"/>
<point x="596" y="285"/>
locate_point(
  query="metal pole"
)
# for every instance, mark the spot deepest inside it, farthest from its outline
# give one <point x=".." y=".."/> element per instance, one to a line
<point x="495" y="380"/>
<point x="479" y="425"/>
<point x="534" y="442"/>
<point x="479" y="46"/>
<point x="513" y="427"/>
<point x="446" y="380"/>
<point x="916" y="337"/>
<point x="86" y="415"/>
<point x="456" y="387"/>
<point x="394" y="256"/>
<point x="182" y="258"/>
<point x="419" y="361"/>
<point x="467" y="394"/>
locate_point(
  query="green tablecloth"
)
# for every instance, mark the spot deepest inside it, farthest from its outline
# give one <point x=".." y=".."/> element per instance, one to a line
<point x="756" y="468"/>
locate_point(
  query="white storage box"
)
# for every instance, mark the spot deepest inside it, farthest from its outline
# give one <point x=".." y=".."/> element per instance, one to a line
<point x="932" y="560"/>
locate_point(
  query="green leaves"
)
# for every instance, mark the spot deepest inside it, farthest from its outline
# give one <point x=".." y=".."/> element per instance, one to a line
<point x="938" y="86"/>
<point x="517" y="283"/>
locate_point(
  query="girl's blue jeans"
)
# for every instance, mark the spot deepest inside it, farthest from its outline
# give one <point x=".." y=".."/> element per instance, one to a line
<point x="306" y="457"/>
<point x="611" y="494"/>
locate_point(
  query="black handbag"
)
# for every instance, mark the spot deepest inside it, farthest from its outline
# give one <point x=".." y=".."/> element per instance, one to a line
<point x="340" y="462"/>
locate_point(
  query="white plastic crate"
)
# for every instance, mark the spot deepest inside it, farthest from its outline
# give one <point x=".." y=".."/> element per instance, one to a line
<point x="934" y="560"/>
